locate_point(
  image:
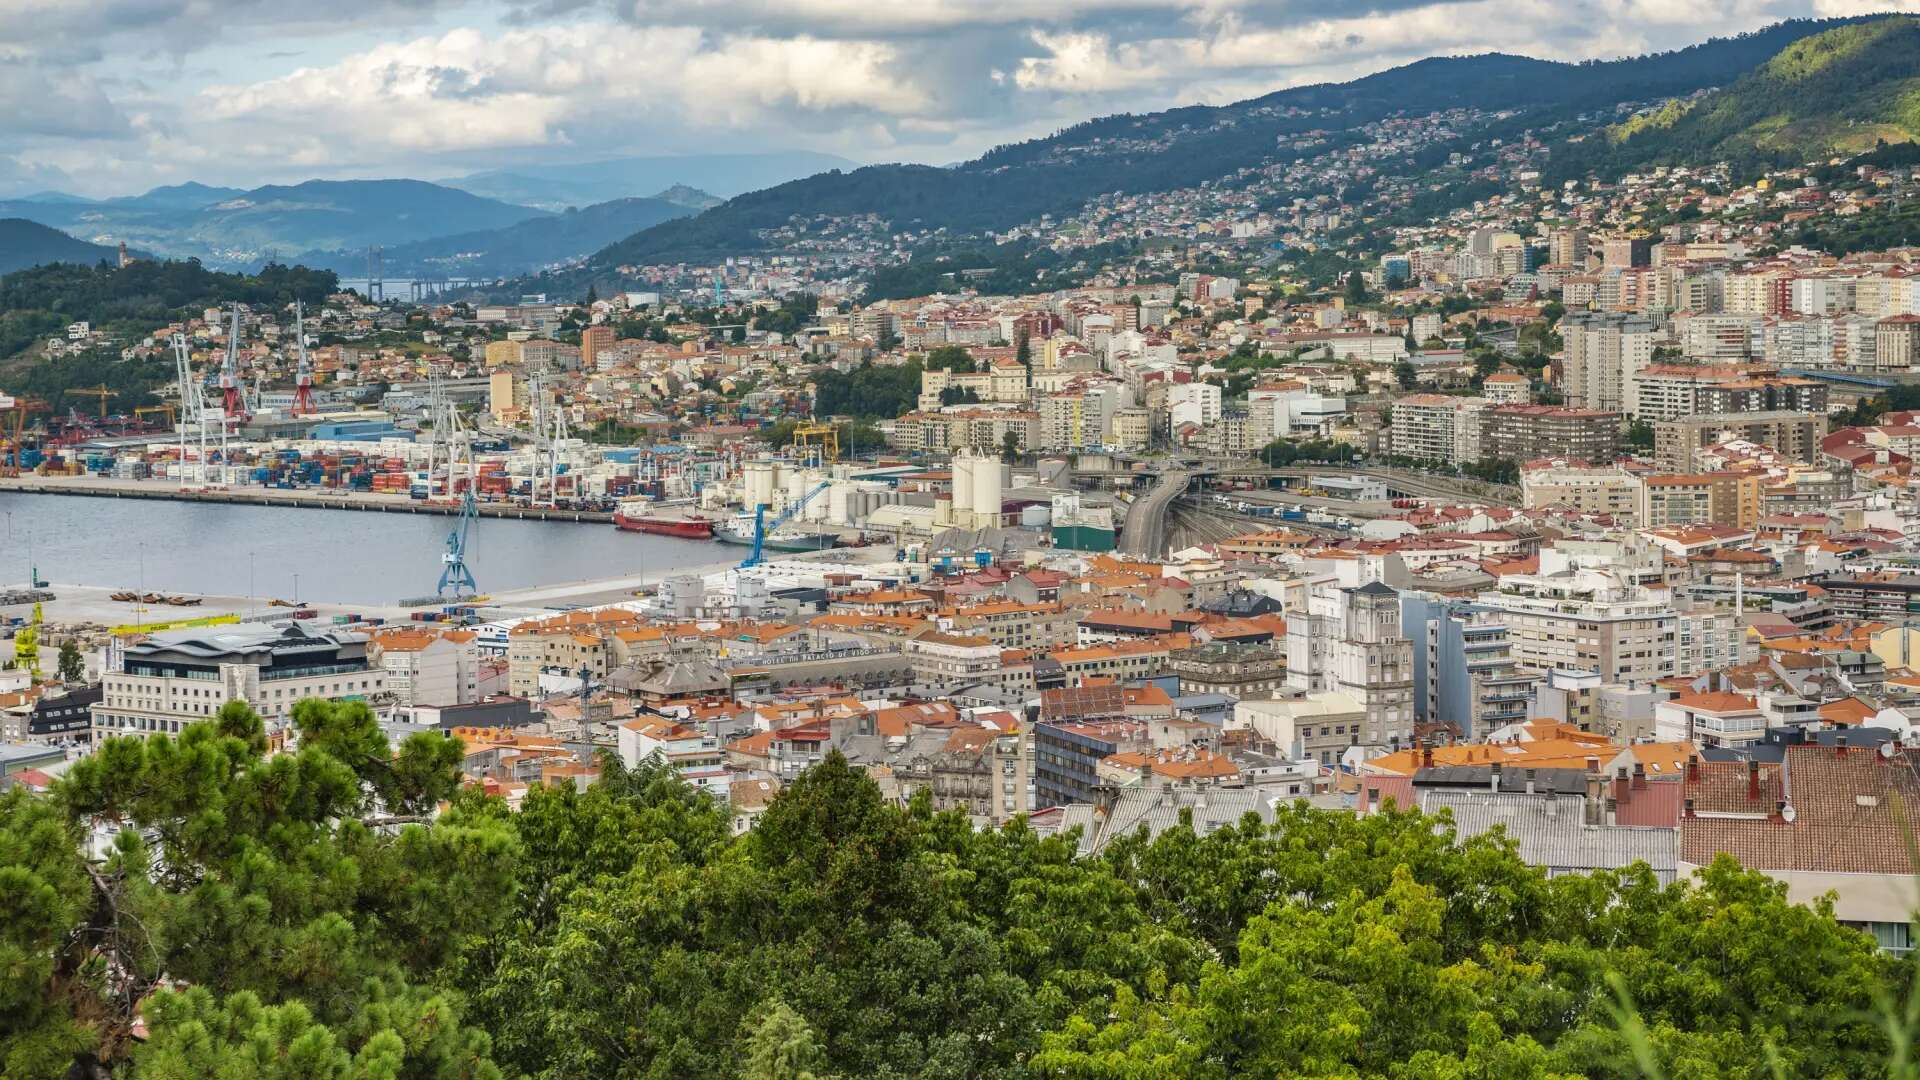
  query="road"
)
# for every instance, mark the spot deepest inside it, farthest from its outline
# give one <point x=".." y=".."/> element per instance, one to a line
<point x="1145" y="533"/>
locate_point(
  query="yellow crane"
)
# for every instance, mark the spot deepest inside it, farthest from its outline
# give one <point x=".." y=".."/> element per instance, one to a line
<point x="825" y="437"/>
<point x="100" y="392"/>
<point x="145" y="411"/>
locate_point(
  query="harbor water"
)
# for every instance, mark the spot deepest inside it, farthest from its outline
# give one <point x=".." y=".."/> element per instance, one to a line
<point x="342" y="556"/>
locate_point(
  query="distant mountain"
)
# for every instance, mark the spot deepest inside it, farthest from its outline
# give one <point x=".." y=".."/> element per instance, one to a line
<point x="53" y="197"/>
<point x="229" y="227"/>
<point x="1838" y="92"/>
<point x="556" y="187"/>
<point x="27" y="243"/>
<point x="191" y="195"/>
<point x="544" y="241"/>
<point x="1188" y="146"/>
<point x="690" y="197"/>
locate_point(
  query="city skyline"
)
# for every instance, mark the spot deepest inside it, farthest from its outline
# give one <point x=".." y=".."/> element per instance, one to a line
<point x="114" y="97"/>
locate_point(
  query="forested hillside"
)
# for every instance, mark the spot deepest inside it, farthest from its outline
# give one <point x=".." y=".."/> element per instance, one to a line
<point x="25" y="243"/>
<point x="307" y="915"/>
<point x="126" y="304"/>
<point x="1187" y="146"/>
<point x="1841" y="91"/>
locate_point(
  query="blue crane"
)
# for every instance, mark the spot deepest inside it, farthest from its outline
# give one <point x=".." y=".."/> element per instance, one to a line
<point x="761" y="527"/>
<point x="454" y="572"/>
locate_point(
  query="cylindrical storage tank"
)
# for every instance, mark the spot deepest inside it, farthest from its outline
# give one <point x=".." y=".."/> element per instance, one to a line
<point x="1037" y="516"/>
<point x="943" y="511"/>
<point x="759" y="483"/>
<point x="986" y="493"/>
<point x="962" y="483"/>
<point x="839" y="509"/>
<point x="795" y="483"/>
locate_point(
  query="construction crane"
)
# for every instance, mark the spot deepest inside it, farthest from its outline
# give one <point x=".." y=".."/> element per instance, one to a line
<point x="823" y="438"/>
<point x="455" y="574"/>
<point x="102" y="393"/>
<point x="761" y="527"/>
<point x="303" y="378"/>
<point x="13" y="427"/>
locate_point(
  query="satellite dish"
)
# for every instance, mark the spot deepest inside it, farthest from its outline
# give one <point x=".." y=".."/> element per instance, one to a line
<point x="1886" y="749"/>
<point x="1787" y="813"/>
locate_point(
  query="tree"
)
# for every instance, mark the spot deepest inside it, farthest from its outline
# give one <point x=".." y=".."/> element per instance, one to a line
<point x="72" y="667"/>
<point x="1010" y="447"/>
<point x="1356" y="289"/>
<point x="952" y="358"/>
<point x="1640" y="434"/>
<point x="309" y="878"/>
<point x="781" y="1046"/>
<point x="1405" y="374"/>
<point x="959" y="395"/>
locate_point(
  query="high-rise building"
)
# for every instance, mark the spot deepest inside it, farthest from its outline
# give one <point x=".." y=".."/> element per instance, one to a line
<point x="1464" y="673"/>
<point x="593" y="340"/>
<point x="1603" y="354"/>
<point x="1792" y="435"/>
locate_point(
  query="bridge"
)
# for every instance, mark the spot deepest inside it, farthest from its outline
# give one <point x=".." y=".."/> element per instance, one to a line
<point x="1145" y="533"/>
<point x="1400" y="483"/>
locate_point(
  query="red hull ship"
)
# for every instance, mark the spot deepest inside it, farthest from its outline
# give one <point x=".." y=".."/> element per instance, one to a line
<point x="689" y="528"/>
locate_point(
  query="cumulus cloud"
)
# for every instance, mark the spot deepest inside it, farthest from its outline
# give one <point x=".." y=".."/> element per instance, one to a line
<point x="425" y="87"/>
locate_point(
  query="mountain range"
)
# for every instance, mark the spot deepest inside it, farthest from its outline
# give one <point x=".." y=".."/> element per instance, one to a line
<point x="1184" y="147"/>
<point x="26" y="243"/>
<point x="540" y="241"/>
<point x="557" y="187"/>
<point x="236" y="227"/>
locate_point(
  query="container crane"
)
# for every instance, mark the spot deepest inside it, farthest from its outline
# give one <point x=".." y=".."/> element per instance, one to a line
<point x="757" y="554"/>
<point x="303" y="378"/>
<point x="232" y="394"/>
<point x="455" y="574"/>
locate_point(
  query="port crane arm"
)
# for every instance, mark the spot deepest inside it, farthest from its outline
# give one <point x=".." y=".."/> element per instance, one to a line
<point x="761" y="527"/>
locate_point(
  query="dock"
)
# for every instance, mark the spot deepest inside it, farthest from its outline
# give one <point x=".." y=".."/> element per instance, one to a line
<point x="302" y="498"/>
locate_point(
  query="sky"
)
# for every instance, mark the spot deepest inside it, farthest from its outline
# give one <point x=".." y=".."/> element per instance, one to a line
<point x="102" y="97"/>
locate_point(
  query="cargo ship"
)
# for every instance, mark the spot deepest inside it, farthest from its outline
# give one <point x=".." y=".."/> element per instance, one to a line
<point x="786" y="538"/>
<point x="642" y="517"/>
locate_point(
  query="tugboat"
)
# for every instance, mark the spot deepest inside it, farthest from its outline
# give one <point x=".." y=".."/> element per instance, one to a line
<point x="642" y="517"/>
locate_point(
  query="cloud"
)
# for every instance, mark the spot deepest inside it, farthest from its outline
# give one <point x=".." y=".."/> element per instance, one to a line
<point x="425" y="87"/>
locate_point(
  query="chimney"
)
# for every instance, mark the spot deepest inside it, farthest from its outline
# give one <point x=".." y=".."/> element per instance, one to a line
<point x="1529" y="778"/>
<point x="1840" y="745"/>
<point x="1426" y="755"/>
<point x="1753" y="781"/>
<point x="1494" y="785"/>
<point x="1639" y="774"/>
<point x="1780" y="810"/>
<point x="1693" y="767"/>
<point x="1689" y="810"/>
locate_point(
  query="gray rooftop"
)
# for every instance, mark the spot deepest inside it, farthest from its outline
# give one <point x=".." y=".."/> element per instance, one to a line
<point x="1553" y="832"/>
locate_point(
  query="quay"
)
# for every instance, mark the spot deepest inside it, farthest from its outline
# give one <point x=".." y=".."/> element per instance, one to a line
<point x="306" y="499"/>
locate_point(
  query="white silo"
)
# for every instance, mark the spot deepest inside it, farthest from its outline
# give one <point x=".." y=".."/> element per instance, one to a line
<point x="838" y="497"/>
<point x="759" y="487"/>
<point x="988" y="489"/>
<point x="962" y="487"/>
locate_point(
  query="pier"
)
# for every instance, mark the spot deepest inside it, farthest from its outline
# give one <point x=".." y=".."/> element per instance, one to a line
<point x="304" y="498"/>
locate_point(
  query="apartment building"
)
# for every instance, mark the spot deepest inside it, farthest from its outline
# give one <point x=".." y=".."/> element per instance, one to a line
<point x="425" y="667"/>
<point x="1464" y="672"/>
<point x="1604" y="351"/>
<point x="1435" y="427"/>
<point x="1588" y="620"/>
<point x="1715" y="498"/>
<point x="1527" y="432"/>
<point x="1795" y="436"/>
<point x="1583" y="489"/>
<point x="1349" y="641"/>
<point x="176" y="678"/>
<point x="1896" y="343"/>
<point x="1673" y="391"/>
